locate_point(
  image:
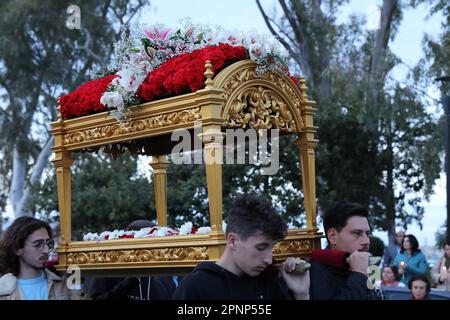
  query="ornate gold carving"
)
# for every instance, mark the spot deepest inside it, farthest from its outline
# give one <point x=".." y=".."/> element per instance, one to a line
<point x="260" y="108"/>
<point x="154" y="122"/>
<point x="285" y="86"/>
<point x="236" y="80"/>
<point x="303" y="88"/>
<point x="141" y="255"/>
<point x="292" y="246"/>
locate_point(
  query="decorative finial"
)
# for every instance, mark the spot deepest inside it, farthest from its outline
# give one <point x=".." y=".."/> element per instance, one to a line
<point x="303" y="87"/>
<point x="208" y="74"/>
<point x="59" y="115"/>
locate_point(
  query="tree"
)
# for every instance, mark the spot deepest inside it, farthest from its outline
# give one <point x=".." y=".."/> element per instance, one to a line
<point x="188" y="196"/>
<point x="436" y="64"/>
<point x="441" y="236"/>
<point x="40" y="58"/>
<point x="375" y="129"/>
<point x="437" y="51"/>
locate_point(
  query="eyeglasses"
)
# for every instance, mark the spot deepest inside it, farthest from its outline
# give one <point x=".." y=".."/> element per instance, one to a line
<point x="40" y="244"/>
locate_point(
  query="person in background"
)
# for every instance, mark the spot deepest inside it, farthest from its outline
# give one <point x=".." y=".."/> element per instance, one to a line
<point x="390" y="277"/>
<point x="410" y="261"/>
<point x="393" y="250"/>
<point x="420" y="288"/>
<point x="24" y="252"/>
<point x="441" y="271"/>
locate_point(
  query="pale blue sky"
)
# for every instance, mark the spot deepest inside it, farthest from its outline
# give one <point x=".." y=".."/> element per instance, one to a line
<point x="244" y="15"/>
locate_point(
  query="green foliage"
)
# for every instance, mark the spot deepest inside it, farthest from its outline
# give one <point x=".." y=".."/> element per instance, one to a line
<point x="283" y="188"/>
<point x="441" y="236"/>
<point x="106" y="194"/>
<point x="41" y="59"/>
<point x="188" y="197"/>
<point x="344" y="163"/>
<point x="385" y="170"/>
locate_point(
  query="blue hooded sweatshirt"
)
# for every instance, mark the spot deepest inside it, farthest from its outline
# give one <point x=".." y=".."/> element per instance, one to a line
<point x="415" y="265"/>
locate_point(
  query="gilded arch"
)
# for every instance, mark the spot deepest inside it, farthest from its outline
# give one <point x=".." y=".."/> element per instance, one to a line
<point x="267" y="101"/>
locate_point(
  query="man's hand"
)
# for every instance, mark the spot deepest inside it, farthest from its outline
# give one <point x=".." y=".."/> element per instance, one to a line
<point x="298" y="283"/>
<point x="359" y="261"/>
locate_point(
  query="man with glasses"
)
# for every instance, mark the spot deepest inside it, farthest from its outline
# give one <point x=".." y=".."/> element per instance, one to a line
<point x="24" y="251"/>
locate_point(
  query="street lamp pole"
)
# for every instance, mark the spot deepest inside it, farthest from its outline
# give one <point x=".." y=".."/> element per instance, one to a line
<point x="446" y="103"/>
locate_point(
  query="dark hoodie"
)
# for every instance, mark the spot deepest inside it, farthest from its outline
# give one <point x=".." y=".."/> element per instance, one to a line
<point x="139" y="288"/>
<point x="329" y="283"/>
<point x="209" y="281"/>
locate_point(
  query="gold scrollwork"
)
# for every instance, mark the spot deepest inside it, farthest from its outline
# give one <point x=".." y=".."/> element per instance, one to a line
<point x="236" y="80"/>
<point x="292" y="246"/>
<point x="140" y="255"/>
<point x="244" y="75"/>
<point x="260" y="108"/>
<point x="281" y="82"/>
<point x="154" y="122"/>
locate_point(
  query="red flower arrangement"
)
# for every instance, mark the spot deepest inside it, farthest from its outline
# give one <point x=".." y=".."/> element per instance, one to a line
<point x="294" y="80"/>
<point x="179" y="75"/>
<point x="85" y="99"/>
<point x="184" y="73"/>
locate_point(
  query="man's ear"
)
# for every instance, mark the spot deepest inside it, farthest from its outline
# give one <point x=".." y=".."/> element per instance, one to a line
<point x="19" y="252"/>
<point x="231" y="240"/>
<point x="332" y="235"/>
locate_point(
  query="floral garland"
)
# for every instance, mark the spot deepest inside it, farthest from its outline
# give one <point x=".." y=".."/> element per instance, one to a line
<point x="184" y="73"/>
<point x="150" y="232"/>
<point x="151" y="62"/>
<point x="86" y="99"/>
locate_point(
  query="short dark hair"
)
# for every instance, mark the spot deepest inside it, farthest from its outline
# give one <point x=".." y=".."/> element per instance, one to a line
<point x="446" y="243"/>
<point x="252" y="213"/>
<point x="413" y="241"/>
<point x="138" y="225"/>
<point x="337" y="216"/>
<point x="14" y="238"/>
<point x="394" y="271"/>
<point x="422" y="278"/>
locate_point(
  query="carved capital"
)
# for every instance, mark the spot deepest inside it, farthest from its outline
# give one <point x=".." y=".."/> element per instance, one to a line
<point x="260" y="108"/>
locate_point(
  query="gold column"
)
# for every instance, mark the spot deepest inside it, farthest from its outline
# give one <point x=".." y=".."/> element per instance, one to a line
<point x="306" y="145"/>
<point x="212" y="139"/>
<point x="63" y="162"/>
<point x="211" y="102"/>
<point x="160" y="164"/>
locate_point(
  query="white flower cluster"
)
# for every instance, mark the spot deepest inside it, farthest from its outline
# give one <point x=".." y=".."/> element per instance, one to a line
<point x="144" y="48"/>
<point x="185" y="229"/>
